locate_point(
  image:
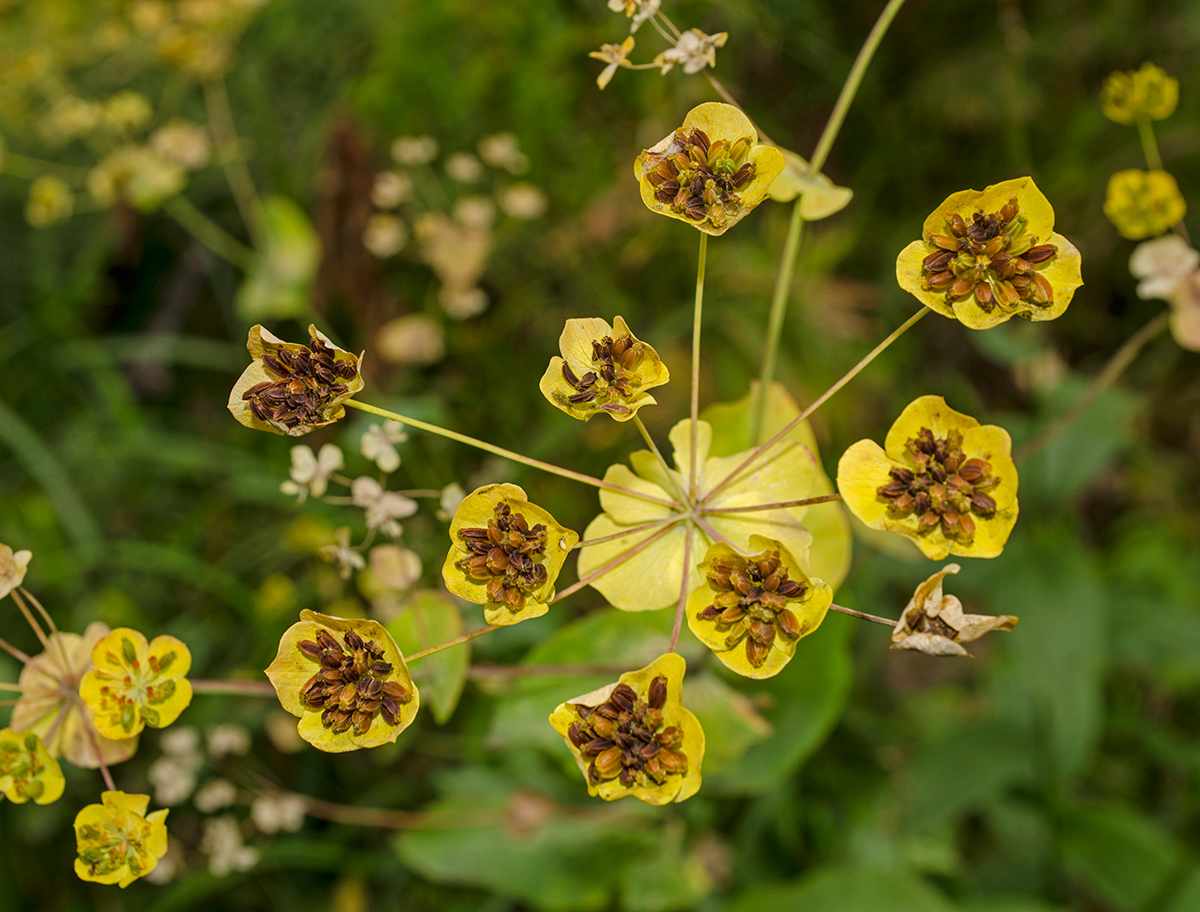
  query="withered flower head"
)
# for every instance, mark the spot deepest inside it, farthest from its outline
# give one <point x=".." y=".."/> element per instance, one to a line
<point x="634" y="737"/>
<point x="751" y="610"/>
<point x="941" y="479"/>
<point x="985" y="257"/>
<point x="14" y="565"/>
<point x="711" y="171"/>
<point x="603" y="369"/>
<point x="505" y="554"/>
<point x="291" y="388"/>
<point x="934" y="624"/>
<point x="346" y="681"/>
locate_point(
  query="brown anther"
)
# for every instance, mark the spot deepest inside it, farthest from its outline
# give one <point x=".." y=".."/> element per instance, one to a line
<point x="1039" y="254"/>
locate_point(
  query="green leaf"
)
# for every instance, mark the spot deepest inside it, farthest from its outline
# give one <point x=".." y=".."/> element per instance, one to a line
<point x="666" y="878"/>
<point x="846" y="890"/>
<point x="430" y="617"/>
<point x="278" y="285"/>
<point x="730" y="722"/>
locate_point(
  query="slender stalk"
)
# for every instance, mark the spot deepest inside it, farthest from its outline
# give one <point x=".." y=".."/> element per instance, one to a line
<point x="396" y="820"/>
<point x="90" y="728"/>
<point x="233" y="687"/>
<point x="821" y="400"/>
<point x="41" y="610"/>
<point x="209" y="233"/>
<point x="13" y="651"/>
<point x="613" y="564"/>
<point x="15" y="688"/>
<point x="1116" y="365"/>
<point x="632" y="530"/>
<point x="712" y="533"/>
<point x="1149" y="145"/>
<point x="233" y="161"/>
<point x="783" y="287"/>
<point x="683" y="587"/>
<point x="454" y="642"/>
<point x="780" y="505"/>
<point x="28" y="168"/>
<point x="671" y="25"/>
<point x="7" y="703"/>
<point x="658" y="455"/>
<point x="526" y="671"/>
<point x="863" y="616"/>
<point x="697" y="319"/>
<point x="850" y="89"/>
<point x="30" y="619"/>
<point x="507" y="454"/>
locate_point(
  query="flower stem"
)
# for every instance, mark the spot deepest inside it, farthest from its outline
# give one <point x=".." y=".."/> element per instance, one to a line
<point x="614" y="563"/>
<point x="30" y="619"/>
<point x="233" y="687"/>
<point x="783" y="287"/>
<point x="13" y="651"/>
<point x="395" y="820"/>
<point x="1120" y="360"/>
<point x="454" y="642"/>
<point x="697" y="316"/>
<point x="1149" y="145"/>
<point x="90" y="728"/>
<point x="15" y="688"/>
<point x="821" y="400"/>
<point x="632" y="530"/>
<point x="209" y="233"/>
<point x="41" y="610"/>
<point x="863" y="616"/>
<point x="779" y="505"/>
<point x="507" y="454"/>
<point x="683" y="587"/>
<point x="658" y="455"/>
<point x="850" y="89"/>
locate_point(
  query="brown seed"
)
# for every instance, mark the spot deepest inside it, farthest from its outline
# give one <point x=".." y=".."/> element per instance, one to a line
<point x="569" y="375"/>
<point x="623" y="697"/>
<point x="657" y="696"/>
<point x="1039" y="254"/>
<point x="983" y="504"/>
<point x="789" y="624"/>
<point x="940" y="280"/>
<point x="608" y="763"/>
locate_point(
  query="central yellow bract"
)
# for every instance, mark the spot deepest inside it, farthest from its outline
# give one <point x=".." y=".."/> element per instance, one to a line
<point x="133" y="683"/>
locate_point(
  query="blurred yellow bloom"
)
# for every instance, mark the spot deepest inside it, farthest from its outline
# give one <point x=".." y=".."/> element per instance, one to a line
<point x="50" y="201"/>
<point x="126" y="111"/>
<point x="710" y="172"/>
<point x="985" y="257"/>
<point x="1135" y="96"/>
<point x="634" y="737"/>
<point x="615" y="55"/>
<point x="1143" y="204"/>
<point x="752" y="609"/>
<point x="134" y="683"/>
<point x="345" y="680"/>
<point x="505" y="554"/>
<point x="117" y="842"/>
<point x="941" y="479"/>
<point x="136" y="174"/>
<point x="935" y="624"/>
<point x="27" y="771"/>
<point x="603" y="368"/>
<point x="290" y="388"/>
<point x="822" y="198"/>
<point x="183" y="143"/>
<point x="12" y="568"/>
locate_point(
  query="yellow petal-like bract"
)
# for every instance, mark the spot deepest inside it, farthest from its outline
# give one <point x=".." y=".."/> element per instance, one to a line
<point x="133" y="683"/>
<point x="117" y="841"/>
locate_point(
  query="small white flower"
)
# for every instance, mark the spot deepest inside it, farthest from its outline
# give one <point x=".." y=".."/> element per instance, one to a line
<point x="12" y="568"/>
<point x="638" y="10"/>
<point x="379" y="444"/>
<point x="694" y="49"/>
<point x="414" y="150"/>
<point x="347" y="559"/>
<point x="391" y="189"/>
<point x="461" y="302"/>
<point x="501" y="150"/>
<point x="226" y="739"/>
<point x="464" y="167"/>
<point x="475" y="212"/>
<point x="181" y="741"/>
<point x="411" y="339"/>
<point x="173" y="778"/>
<point x="222" y="843"/>
<point x="523" y="201"/>
<point x="452" y="496"/>
<point x="279" y="812"/>
<point x="385" y="235"/>
<point x="310" y="472"/>
<point x="383" y="507"/>
<point x="1162" y="264"/>
<point x="183" y="143"/>
<point x="215" y="795"/>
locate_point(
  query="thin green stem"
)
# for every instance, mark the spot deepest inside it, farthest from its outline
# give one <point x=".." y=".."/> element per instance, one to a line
<point x="821" y="400"/>
<point x="850" y="89"/>
<point x="683" y="586"/>
<point x="507" y="454"/>
<point x="233" y="687"/>
<point x="209" y="233"/>
<point x="613" y="564"/>
<point x="659" y="456"/>
<point x="53" y="628"/>
<point x="526" y="671"/>
<point x="30" y="619"/>
<point x="1116" y="365"/>
<point x="863" y="616"/>
<point x="229" y="150"/>
<point x="13" y="651"/>
<point x="457" y="641"/>
<point x="25" y="166"/>
<point x="697" y="319"/>
<point x="778" y="505"/>
<point x="779" y="301"/>
<point x="1149" y="145"/>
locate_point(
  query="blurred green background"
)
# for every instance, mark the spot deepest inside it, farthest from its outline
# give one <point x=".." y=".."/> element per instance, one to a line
<point x="1058" y="770"/>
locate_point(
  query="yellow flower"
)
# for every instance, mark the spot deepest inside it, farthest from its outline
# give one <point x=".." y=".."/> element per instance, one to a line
<point x="615" y="55"/>
<point x="291" y="388"/>
<point x="27" y="770"/>
<point x="1143" y="204"/>
<point x="51" y="706"/>
<point x="345" y="680"/>
<point x="505" y="554"/>
<point x="12" y="568"/>
<point x="634" y="737"/>
<point x="603" y="369"/>
<point x="1136" y="96"/>
<point x="711" y="171"/>
<point x="653" y="576"/>
<point x="133" y="683"/>
<point x="985" y="257"/>
<point x="941" y="479"/>
<point x="117" y="842"/>
<point x="50" y="201"/>
<point x="751" y="610"/>
<point x="935" y="624"/>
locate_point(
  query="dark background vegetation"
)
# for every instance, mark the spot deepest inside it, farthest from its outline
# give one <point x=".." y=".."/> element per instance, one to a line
<point x="1059" y="770"/>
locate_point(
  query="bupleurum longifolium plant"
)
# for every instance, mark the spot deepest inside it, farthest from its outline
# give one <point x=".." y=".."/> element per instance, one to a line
<point x="730" y="527"/>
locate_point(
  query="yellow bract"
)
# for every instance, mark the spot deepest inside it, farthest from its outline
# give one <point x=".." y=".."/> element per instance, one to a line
<point x="652" y="701"/>
<point x="752" y="609"/>
<point x="1143" y="204"/>
<point x="935" y="624"/>
<point x="505" y="554"/>
<point x="117" y="842"/>
<point x="987" y="256"/>
<point x="710" y="172"/>
<point x="653" y="576"/>
<point x="941" y="479"/>
<point x="346" y="680"/>
<point x="821" y="197"/>
<point x="27" y="771"/>
<point x="133" y="683"/>
<point x="1135" y="96"/>
<point x="290" y="388"/>
<point x="603" y="368"/>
